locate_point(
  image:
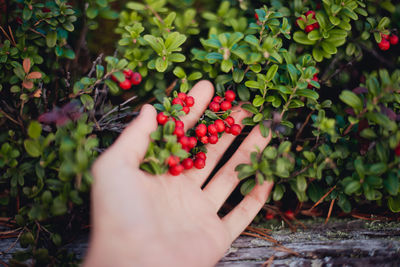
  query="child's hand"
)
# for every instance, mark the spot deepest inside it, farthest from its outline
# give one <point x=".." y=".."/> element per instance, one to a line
<point x="145" y="220"/>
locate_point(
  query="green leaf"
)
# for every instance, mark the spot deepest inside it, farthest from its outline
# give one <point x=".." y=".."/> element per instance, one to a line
<point x="307" y="93"/>
<point x="392" y="184"/>
<point x="271" y="72"/>
<point x="352" y="187"/>
<point x="136" y="6"/>
<point x="161" y="65"/>
<point x="368" y="133"/>
<point x="351" y="99"/>
<point x="195" y="76"/>
<point x="258" y="101"/>
<point x="250" y="108"/>
<point x="301" y="38"/>
<point x="179" y="72"/>
<point x="114" y="89"/>
<point x="154" y="43"/>
<point x="238" y="75"/>
<point x="301" y="183"/>
<point x="32" y="147"/>
<point x="51" y="38"/>
<point x="279" y="190"/>
<point x="87" y="101"/>
<point x="247" y="186"/>
<point x="34" y="130"/>
<point x="394" y="203"/>
<point x="226" y="65"/>
<point x="176" y="57"/>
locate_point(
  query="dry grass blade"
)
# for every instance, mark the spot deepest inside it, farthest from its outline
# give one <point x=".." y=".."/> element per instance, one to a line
<point x="287" y="250"/>
<point x="259" y="236"/>
<point x="322" y="198"/>
<point x="268" y="262"/>
<point x="330" y="210"/>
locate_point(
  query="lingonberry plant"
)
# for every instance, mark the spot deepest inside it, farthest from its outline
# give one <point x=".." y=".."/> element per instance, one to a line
<point x="320" y="78"/>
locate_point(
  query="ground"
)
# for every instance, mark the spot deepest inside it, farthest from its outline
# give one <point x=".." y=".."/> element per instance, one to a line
<point x="338" y="243"/>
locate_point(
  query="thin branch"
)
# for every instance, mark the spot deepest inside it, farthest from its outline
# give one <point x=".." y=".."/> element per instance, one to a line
<point x="330" y="210"/>
<point x="303" y="126"/>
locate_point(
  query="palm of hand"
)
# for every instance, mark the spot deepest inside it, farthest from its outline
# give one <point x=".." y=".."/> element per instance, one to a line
<point x="171" y="219"/>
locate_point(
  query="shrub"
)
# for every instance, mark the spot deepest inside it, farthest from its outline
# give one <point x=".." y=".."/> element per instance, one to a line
<point x="321" y="79"/>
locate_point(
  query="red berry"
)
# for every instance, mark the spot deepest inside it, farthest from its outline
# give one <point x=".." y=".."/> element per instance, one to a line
<point x="201" y="155"/>
<point x="179" y="124"/>
<point x="128" y="73"/>
<point x="217" y="99"/>
<point x="179" y="131"/>
<point x="173" y="161"/>
<point x="220" y="125"/>
<point x="384" y="45"/>
<point x="186" y="110"/>
<point x="161" y="118"/>
<point x="176" y="170"/>
<point x="182" y="96"/>
<point x="226" y="105"/>
<point x="236" y="129"/>
<point x="213" y="139"/>
<point x="177" y="101"/>
<point x="201" y="130"/>
<point x="228" y="130"/>
<point x="312" y="12"/>
<point x="230" y="121"/>
<point x="289" y="214"/>
<point x="192" y="142"/>
<point x="189" y="101"/>
<point x="204" y="139"/>
<point x="136" y="78"/>
<point x="125" y="85"/>
<point x="184" y="140"/>
<point x="212" y="129"/>
<point x="397" y="150"/>
<point x="309" y="28"/>
<point x="315" y="25"/>
<point x="214" y="106"/>
<point x="269" y="216"/>
<point x="187" y="163"/>
<point x="114" y="78"/>
<point x="384" y="36"/>
<point x="230" y="95"/>
<point x="46" y="10"/>
<point x="393" y="39"/>
<point x="256" y="16"/>
<point x="199" y="163"/>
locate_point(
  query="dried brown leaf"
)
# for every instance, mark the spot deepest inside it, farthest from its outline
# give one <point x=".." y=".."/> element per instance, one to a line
<point x="27" y="65"/>
<point x="34" y="75"/>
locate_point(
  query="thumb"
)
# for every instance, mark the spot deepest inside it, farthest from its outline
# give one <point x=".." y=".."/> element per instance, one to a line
<point x="134" y="140"/>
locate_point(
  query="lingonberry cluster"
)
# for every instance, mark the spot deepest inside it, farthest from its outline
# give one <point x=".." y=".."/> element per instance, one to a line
<point x="388" y="40"/>
<point x="206" y="132"/>
<point x="131" y="78"/>
<point x="309" y="21"/>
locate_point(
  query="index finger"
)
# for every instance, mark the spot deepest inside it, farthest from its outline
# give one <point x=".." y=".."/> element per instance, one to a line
<point x="202" y="93"/>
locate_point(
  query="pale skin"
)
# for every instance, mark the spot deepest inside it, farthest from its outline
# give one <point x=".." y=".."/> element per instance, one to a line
<point x="145" y="220"/>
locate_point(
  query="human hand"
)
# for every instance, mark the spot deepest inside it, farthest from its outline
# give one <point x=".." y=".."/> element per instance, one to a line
<point x="144" y="220"/>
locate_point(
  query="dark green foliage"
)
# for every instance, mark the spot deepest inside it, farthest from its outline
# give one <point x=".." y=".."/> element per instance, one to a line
<point x="58" y="103"/>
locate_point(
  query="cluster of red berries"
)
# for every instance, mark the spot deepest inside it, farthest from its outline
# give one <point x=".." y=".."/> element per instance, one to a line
<point x="223" y="104"/>
<point x="185" y="101"/>
<point x="209" y="134"/>
<point x="131" y="78"/>
<point x="203" y="133"/>
<point x="309" y="26"/>
<point x="388" y="40"/>
<point x="315" y="78"/>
